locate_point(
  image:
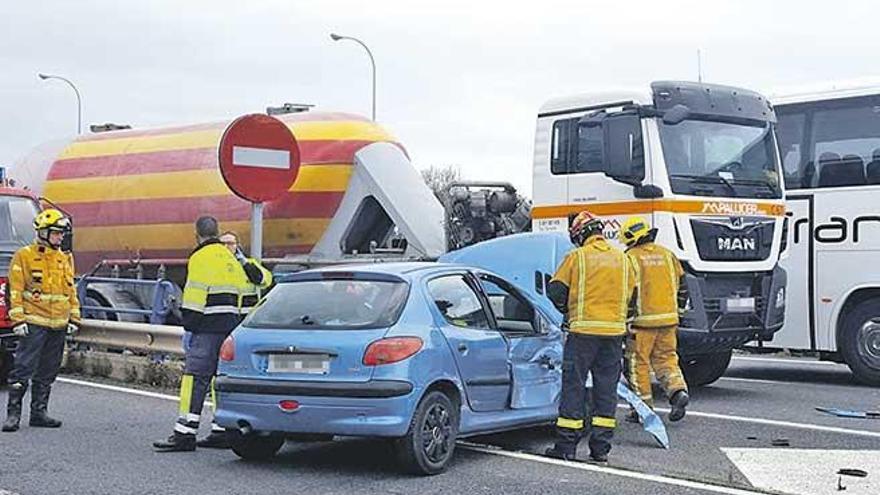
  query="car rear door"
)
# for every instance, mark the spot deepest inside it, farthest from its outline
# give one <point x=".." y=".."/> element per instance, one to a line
<point x="535" y="344"/>
<point x="479" y="350"/>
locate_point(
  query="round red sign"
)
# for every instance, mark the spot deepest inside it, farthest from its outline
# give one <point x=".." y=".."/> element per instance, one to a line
<point x="259" y="157"/>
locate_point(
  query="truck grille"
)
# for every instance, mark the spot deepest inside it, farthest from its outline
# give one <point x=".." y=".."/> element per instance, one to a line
<point x="733" y="238"/>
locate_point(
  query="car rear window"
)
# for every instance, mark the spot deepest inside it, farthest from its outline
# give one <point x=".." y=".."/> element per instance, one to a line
<point x="331" y="305"/>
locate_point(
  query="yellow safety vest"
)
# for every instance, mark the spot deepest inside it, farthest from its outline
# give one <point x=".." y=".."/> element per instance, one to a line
<point x="600" y="280"/>
<point x="659" y="275"/>
<point x="215" y="282"/>
<point x="41" y="287"/>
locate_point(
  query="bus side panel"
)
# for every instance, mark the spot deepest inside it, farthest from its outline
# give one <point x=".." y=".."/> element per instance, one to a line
<point x="800" y="265"/>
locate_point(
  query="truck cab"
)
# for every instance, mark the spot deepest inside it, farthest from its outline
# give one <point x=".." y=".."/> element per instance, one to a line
<point x="17" y="211"/>
<point x="701" y="163"/>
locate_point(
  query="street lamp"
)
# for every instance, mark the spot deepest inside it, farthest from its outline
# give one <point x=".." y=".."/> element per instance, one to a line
<point x="78" y="99"/>
<point x="337" y="37"/>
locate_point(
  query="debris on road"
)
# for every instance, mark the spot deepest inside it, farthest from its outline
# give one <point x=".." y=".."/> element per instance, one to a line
<point x="847" y="413"/>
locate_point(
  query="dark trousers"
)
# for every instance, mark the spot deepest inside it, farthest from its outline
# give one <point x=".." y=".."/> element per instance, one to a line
<point x="38" y="357"/>
<point x="198" y="372"/>
<point x="601" y="357"/>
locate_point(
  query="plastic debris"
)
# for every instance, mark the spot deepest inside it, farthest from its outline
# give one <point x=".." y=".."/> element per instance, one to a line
<point x="848" y="413"/>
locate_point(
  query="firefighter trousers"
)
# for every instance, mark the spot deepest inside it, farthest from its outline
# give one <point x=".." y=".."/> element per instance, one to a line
<point x="654" y="349"/>
<point x="601" y="358"/>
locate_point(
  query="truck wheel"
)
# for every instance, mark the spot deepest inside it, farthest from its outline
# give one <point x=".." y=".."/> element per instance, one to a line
<point x="255" y="447"/>
<point x="705" y="369"/>
<point x="428" y="446"/>
<point x="860" y="341"/>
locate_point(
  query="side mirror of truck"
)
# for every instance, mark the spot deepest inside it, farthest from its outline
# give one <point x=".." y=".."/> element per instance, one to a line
<point x="649" y="191"/>
<point x="676" y="115"/>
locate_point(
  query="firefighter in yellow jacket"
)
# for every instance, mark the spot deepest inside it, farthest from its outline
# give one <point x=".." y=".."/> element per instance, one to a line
<point x="652" y="343"/>
<point x="215" y="281"/>
<point x="43" y="309"/>
<point x="595" y="288"/>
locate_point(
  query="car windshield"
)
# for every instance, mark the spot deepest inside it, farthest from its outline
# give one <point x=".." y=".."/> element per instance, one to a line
<point x="719" y="158"/>
<point x="16" y="222"/>
<point x="330" y="305"/>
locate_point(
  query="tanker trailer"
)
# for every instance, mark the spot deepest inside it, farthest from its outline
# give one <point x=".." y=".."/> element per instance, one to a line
<point x="133" y="196"/>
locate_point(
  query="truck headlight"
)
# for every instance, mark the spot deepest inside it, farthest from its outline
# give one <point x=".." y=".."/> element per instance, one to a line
<point x="780" y="298"/>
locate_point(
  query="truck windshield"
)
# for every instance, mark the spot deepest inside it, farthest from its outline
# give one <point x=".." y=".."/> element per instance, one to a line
<point x="16" y="222"/>
<point x="717" y="158"/>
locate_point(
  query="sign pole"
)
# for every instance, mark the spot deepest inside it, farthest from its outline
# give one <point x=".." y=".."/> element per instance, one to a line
<point x="257" y="231"/>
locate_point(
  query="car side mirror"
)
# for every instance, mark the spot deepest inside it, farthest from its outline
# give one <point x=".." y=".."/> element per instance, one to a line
<point x="542" y="326"/>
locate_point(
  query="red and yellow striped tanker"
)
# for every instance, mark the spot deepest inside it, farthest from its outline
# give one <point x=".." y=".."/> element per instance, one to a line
<point x="136" y="193"/>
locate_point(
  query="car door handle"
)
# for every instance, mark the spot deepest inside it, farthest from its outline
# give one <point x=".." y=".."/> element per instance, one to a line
<point x="547" y="362"/>
<point x="462" y="347"/>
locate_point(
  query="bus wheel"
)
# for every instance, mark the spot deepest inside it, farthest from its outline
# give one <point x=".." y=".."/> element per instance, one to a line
<point x="705" y="369"/>
<point x="860" y="341"/>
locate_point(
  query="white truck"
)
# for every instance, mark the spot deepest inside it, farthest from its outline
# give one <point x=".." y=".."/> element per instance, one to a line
<point x="830" y="145"/>
<point x="701" y="162"/>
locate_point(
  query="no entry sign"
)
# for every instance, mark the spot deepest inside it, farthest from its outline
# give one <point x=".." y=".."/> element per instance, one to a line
<point x="259" y="157"/>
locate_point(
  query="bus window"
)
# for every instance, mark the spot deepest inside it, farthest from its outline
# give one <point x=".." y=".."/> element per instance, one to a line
<point x="790" y="133"/>
<point x="846" y="137"/>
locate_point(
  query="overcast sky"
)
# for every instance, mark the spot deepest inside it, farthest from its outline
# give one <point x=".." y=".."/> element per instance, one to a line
<point x="459" y="82"/>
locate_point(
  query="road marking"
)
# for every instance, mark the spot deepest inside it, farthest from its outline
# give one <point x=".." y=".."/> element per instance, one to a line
<point x="666" y="480"/>
<point x="788" y="361"/>
<point x="698" y="414"/>
<point x="807" y="471"/>
<point x="768" y="382"/>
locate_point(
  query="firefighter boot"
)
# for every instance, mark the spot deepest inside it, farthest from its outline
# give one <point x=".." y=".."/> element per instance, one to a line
<point x="177" y="442"/>
<point x="679" y="402"/>
<point x="13" y="408"/>
<point x="39" y="403"/>
<point x="218" y="439"/>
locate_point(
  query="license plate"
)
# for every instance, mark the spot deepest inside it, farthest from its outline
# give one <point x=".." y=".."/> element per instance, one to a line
<point x="299" y="363"/>
<point x="741" y="305"/>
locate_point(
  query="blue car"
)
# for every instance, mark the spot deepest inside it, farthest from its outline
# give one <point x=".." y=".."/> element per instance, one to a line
<point x="424" y="353"/>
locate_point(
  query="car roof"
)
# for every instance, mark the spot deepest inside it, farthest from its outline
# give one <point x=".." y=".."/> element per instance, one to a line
<point x="405" y="270"/>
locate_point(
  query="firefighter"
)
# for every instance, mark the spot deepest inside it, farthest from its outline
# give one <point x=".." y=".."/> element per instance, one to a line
<point x="652" y="343"/>
<point x="259" y="279"/>
<point x="43" y="309"/>
<point x="215" y="281"/>
<point x="595" y="287"/>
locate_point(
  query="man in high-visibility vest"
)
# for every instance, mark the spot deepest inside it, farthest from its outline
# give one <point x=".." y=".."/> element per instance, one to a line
<point x="652" y="342"/>
<point x="44" y="308"/>
<point x="215" y="281"/>
<point x="259" y="280"/>
<point x="594" y="287"/>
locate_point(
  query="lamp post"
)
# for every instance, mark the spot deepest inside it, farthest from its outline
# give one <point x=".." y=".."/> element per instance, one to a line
<point x="337" y="37"/>
<point x="78" y="98"/>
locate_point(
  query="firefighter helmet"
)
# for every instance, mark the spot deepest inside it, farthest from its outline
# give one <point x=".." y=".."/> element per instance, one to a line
<point x="582" y="226"/>
<point x="50" y="220"/>
<point x="634" y="230"/>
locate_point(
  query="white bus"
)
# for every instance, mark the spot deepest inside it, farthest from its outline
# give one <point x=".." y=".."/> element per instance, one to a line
<point x="830" y="147"/>
<point x="701" y="162"/>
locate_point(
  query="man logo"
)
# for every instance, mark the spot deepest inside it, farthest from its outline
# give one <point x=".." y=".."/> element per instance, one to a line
<point x="736" y="244"/>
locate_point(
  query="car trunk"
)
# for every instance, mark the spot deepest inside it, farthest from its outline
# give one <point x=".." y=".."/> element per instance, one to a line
<point x="310" y="355"/>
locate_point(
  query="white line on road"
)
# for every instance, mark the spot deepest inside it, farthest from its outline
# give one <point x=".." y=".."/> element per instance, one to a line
<point x="788" y="361"/>
<point x="698" y="414"/>
<point x="767" y="382"/>
<point x="613" y="471"/>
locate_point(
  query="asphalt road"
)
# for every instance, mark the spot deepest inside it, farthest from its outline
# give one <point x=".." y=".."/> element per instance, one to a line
<point x="104" y="447"/>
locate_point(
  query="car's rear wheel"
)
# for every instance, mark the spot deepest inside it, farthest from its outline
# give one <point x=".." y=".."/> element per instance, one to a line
<point x="255" y="447"/>
<point x="430" y="442"/>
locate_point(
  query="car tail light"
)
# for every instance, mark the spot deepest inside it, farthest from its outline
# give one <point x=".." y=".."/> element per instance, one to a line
<point x="391" y="350"/>
<point x="288" y="405"/>
<point x="227" y="350"/>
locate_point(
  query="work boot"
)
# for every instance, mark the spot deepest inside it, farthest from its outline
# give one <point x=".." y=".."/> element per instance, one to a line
<point x="601" y="459"/>
<point x="39" y="403"/>
<point x="177" y="442"/>
<point x="13" y="408"/>
<point x="558" y="452"/>
<point x="679" y="402"/>
<point x="216" y="440"/>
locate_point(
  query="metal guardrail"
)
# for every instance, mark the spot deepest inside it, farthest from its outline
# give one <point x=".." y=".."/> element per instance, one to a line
<point x="134" y="336"/>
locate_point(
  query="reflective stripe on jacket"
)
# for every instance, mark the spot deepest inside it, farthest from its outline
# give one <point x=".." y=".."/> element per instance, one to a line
<point x="659" y="275"/>
<point x="41" y="287"/>
<point x="601" y="281"/>
<point x="215" y="281"/>
<point x="259" y="279"/>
